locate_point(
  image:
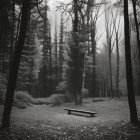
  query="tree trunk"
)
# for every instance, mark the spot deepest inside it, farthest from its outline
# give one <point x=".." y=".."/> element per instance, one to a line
<point x="138" y="35"/>
<point x="118" y="66"/>
<point x="137" y="26"/>
<point x="12" y="33"/>
<point x="110" y="72"/>
<point x="50" y="69"/>
<point x="129" y="75"/>
<point x="94" y="61"/>
<point x="3" y="31"/>
<point x="15" y="65"/>
<point x="56" y="48"/>
<point x="78" y="97"/>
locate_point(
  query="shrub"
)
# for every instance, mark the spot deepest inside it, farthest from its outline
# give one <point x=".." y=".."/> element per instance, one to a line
<point x="40" y="101"/>
<point x="98" y="99"/>
<point x="22" y="99"/>
<point x="21" y="105"/>
<point x="57" y="99"/>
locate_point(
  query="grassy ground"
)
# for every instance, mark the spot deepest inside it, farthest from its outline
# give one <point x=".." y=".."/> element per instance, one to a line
<point x="44" y="122"/>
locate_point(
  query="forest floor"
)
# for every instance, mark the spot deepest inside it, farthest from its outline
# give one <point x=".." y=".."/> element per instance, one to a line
<point x="46" y="122"/>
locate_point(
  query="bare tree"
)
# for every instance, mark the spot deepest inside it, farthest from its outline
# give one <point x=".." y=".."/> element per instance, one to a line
<point x="129" y="75"/>
<point x="109" y="37"/>
<point x="117" y="38"/>
<point x="137" y="25"/>
<point x="135" y="2"/>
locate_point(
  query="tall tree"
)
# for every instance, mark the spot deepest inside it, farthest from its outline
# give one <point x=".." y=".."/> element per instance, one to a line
<point x="50" y="62"/>
<point x="109" y="35"/>
<point x="56" y="53"/>
<point x="92" y="13"/>
<point x="77" y="57"/>
<point x="5" y="29"/>
<point x="117" y="38"/>
<point x="25" y="77"/>
<point x="61" y="45"/>
<point x="136" y="25"/>
<point x="135" y="2"/>
<point x="44" y="71"/>
<point x="15" y="65"/>
<point x="129" y="75"/>
<point x="12" y="32"/>
<point x="73" y="73"/>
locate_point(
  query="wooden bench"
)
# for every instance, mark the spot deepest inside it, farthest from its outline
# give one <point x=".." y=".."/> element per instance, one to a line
<point x="80" y="111"/>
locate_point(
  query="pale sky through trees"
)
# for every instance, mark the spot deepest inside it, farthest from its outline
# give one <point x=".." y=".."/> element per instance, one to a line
<point x="55" y="15"/>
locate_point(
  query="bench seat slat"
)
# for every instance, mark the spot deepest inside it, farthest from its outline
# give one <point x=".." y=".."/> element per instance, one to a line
<point x="82" y="111"/>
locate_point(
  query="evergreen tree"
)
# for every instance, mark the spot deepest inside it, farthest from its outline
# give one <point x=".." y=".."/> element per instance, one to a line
<point x="61" y="47"/>
<point x="25" y="78"/>
<point x="93" y="90"/>
<point x="56" y="54"/>
<point x="73" y="67"/>
<point x="45" y="37"/>
<point x="7" y="15"/>
<point x="50" y="74"/>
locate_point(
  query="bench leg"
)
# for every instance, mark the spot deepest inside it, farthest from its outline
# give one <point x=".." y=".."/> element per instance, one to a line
<point x="69" y="112"/>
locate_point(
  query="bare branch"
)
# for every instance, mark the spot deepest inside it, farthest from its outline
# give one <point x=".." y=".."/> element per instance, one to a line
<point x="39" y="10"/>
<point x="93" y="4"/>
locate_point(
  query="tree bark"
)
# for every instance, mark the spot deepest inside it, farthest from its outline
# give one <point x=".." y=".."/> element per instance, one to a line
<point x="129" y="75"/>
<point x="110" y="70"/>
<point x="12" y="33"/>
<point x="3" y="31"/>
<point x="137" y="26"/>
<point x="93" y="42"/>
<point x="56" y="48"/>
<point x="138" y="34"/>
<point x="77" y="73"/>
<point x="118" y="66"/>
<point x="15" y="65"/>
<point x="109" y="35"/>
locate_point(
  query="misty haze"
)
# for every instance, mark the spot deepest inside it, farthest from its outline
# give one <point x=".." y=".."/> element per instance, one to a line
<point x="69" y="69"/>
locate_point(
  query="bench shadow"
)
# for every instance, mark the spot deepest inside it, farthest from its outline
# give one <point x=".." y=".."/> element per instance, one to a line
<point x="82" y="115"/>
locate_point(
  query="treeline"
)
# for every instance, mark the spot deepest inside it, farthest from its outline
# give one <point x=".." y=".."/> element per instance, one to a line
<point x="45" y="65"/>
<point x="45" y="60"/>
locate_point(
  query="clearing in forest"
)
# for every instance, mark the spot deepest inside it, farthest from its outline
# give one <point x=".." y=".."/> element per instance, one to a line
<point x="47" y="122"/>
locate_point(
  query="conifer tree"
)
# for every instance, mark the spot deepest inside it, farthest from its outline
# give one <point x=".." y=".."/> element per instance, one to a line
<point x="44" y="71"/>
<point x="61" y="46"/>
<point x="25" y="77"/>
<point x="56" y="54"/>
